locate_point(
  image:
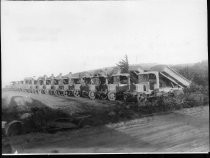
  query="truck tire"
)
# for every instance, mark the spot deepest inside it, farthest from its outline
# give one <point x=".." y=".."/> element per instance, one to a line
<point x="112" y="96"/>
<point x="66" y="93"/>
<point x="14" y="128"/>
<point x="91" y="95"/>
<point x="46" y="91"/>
<point x="76" y="93"/>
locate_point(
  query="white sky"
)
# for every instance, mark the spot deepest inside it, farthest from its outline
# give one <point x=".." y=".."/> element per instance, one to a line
<point x="59" y="37"/>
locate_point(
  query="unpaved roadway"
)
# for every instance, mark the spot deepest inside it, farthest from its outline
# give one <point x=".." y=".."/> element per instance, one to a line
<point x="186" y="130"/>
<point x="70" y="105"/>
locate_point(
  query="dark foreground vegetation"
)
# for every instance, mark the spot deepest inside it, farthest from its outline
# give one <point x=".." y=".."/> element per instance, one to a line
<point x="197" y="73"/>
<point x="38" y="117"/>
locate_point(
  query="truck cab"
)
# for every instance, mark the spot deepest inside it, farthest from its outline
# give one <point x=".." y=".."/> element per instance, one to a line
<point x="63" y="86"/>
<point x="21" y="85"/>
<point x="74" y="86"/>
<point x="55" y="85"/>
<point x="48" y="84"/>
<point x="88" y="87"/>
<point x="40" y="85"/>
<point x="33" y="83"/>
<point x="27" y="84"/>
<point x="118" y="84"/>
<point x="101" y="86"/>
<point x="147" y="82"/>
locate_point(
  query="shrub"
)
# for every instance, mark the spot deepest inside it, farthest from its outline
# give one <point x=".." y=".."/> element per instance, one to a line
<point x="194" y="88"/>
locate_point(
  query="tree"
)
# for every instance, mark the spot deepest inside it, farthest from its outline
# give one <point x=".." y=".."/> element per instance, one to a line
<point x="124" y="65"/>
<point x="187" y="72"/>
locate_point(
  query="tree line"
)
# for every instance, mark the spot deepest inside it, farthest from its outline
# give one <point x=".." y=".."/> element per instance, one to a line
<point x="197" y="73"/>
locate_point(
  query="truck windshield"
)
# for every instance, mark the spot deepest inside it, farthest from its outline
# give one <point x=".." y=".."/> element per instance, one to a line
<point x="123" y="79"/>
<point x="77" y="81"/>
<point x="96" y="81"/>
<point x="151" y="78"/>
<point x="65" y="81"/>
<point x="143" y="78"/>
<point x="146" y="77"/>
<point x="48" y="82"/>
<point x="116" y="79"/>
<point x="119" y="79"/>
<point x="35" y="81"/>
<point x="56" y="82"/>
<point x="41" y="82"/>
<point x="102" y="80"/>
<point x="87" y="80"/>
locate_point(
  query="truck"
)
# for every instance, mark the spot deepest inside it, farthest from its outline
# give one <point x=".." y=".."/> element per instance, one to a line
<point x="87" y="88"/>
<point x="101" y="86"/>
<point x="158" y="81"/>
<point x="118" y="84"/>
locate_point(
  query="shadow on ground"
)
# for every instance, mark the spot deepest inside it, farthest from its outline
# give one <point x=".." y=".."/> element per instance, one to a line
<point x="39" y="113"/>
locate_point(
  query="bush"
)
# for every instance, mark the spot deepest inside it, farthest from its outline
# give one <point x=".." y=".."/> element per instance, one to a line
<point x="194" y="88"/>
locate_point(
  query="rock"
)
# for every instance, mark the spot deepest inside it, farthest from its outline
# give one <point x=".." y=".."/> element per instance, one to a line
<point x="25" y="116"/>
<point x="112" y="113"/>
<point x="133" y="116"/>
<point x="87" y="126"/>
<point x="55" y="151"/>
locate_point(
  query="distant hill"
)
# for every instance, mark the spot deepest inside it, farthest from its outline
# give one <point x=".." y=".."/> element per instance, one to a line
<point x="197" y="72"/>
<point x="115" y="69"/>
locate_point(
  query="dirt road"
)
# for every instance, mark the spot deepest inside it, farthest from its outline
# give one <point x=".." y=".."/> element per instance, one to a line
<point x="67" y="104"/>
<point x="186" y="130"/>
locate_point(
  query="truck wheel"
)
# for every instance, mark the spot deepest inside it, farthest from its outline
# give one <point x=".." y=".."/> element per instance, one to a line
<point x="91" y="95"/>
<point x="76" y="93"/>
<point x="65" y="93"/>
<point x="55" y="92"/>
<point x="111" y="96"/>
<point x="46" y="91"/>
<point x="103" y="96"/>
<point x="62" y="93"/>
<point x="69" y="93"/>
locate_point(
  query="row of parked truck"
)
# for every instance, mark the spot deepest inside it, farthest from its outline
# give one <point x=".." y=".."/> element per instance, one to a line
<point x="138" y="85"/>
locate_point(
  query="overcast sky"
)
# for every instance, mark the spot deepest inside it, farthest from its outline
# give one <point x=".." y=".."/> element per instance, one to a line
<point x="59" y="37"/>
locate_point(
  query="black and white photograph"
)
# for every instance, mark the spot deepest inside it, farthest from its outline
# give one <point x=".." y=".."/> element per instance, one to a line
<point x="104" y="77"/>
